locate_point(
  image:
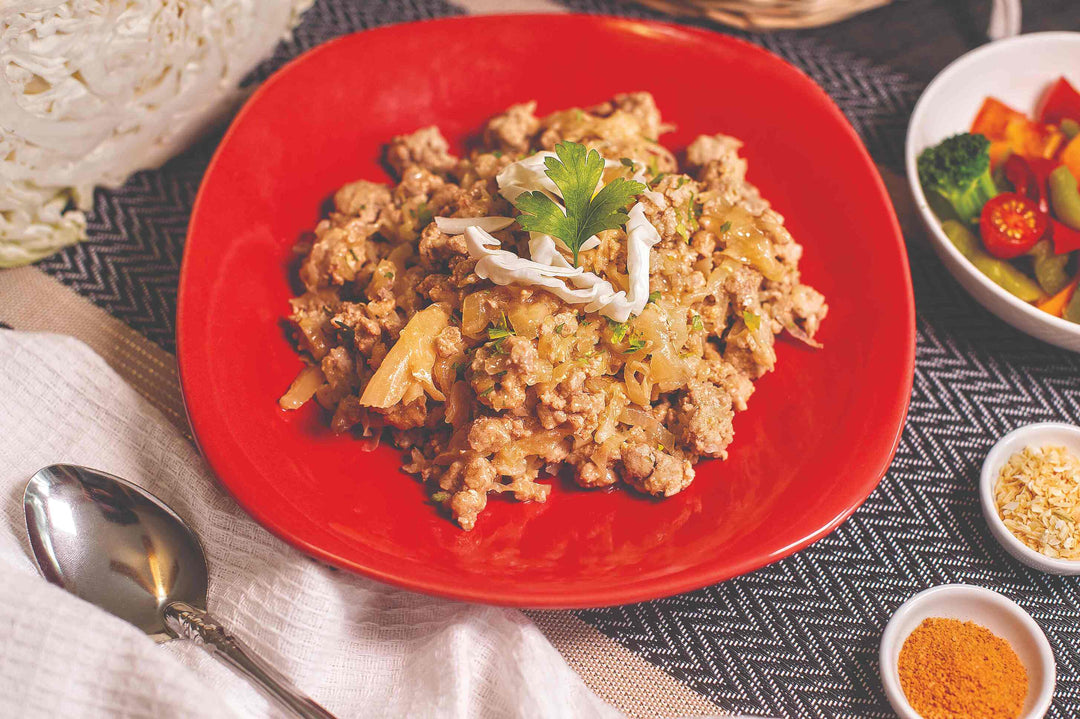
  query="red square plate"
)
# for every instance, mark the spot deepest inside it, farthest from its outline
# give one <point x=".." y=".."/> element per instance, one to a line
<point x="819" y="434"/>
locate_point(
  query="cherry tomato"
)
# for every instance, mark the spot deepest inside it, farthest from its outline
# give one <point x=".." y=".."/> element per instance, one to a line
<point x="1010" y="225"/>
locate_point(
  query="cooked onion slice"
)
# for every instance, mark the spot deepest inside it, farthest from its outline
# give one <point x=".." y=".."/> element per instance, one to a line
<point x="458" y="225"/>
<point x="406" y="370"/>
<point x="302" y="388"/>
<point x="652" y="426"/>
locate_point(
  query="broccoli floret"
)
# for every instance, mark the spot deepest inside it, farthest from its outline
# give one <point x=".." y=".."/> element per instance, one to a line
<point x="959" y="170"/>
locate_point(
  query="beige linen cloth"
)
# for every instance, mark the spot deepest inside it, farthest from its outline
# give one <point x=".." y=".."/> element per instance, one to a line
<point x="361" y="648"/>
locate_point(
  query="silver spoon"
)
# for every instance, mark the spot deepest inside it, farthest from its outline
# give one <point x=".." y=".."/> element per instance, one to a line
<point x="118" y="546"/>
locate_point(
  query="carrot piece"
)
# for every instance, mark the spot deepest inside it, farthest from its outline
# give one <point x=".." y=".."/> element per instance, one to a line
<point x="1056" y="304"/>
<point x="1000" y="150"/>
<point x="993" y="118"/>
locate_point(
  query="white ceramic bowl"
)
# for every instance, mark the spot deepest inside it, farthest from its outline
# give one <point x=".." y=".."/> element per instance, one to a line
<point x="1032" y="435"/>
<point x="1000" y="615"/>
<point x="1016" y="71"/>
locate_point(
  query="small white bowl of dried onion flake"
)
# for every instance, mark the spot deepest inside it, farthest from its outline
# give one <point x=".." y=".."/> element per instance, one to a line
<point x="1030" y="491"/>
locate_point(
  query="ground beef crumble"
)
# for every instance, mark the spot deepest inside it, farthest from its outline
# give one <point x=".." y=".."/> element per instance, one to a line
<point x="518" y="385"/>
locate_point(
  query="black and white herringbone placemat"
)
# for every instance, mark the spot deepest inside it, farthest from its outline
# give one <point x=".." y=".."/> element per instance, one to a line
<point x="798" y="638"/>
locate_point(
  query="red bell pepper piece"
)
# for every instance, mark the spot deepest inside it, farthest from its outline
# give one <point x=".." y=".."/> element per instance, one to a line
<point x="1065" y="238"/>
<point x="1060" y="102"/>
<point x="1042" y="169"/>
<point x="1030" y="177"/>
<point x="1021" y="177"/>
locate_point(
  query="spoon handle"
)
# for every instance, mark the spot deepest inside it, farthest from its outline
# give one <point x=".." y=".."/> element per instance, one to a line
<point x="189" y="622"/>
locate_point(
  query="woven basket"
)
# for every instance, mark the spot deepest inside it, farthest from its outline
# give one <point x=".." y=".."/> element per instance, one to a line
<point x="767" y="14"/>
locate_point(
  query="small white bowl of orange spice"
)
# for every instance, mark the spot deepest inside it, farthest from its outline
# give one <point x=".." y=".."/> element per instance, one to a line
<point x="963" y="651"/>
<point x="1030" y="494"/>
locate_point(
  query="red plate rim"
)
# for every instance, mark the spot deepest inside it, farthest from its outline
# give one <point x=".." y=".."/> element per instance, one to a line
<point x="689" y="580"/>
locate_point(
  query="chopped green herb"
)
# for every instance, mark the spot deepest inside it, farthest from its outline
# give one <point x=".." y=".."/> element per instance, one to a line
<point x="682" y="181"/>
<point x="500" y="373"/>
<point x="752" y="321"/>
<point x="653" y="140"/>
<point x="618" y="329"/>
<point x="697" y="324"/>
<point x="440" y="496"/>
<point x="423" y="215"/>
<point x="636" y="345"/>
<point x="680" y="230"/>
<point x="501" y="329"/>
<point x="691" y="215"/>
<point x="488" y="391"/>
<point x="585" y="322"/>
<point x="627" y="162"/>
<point x="558" y="328"/>
<point x="586" y="357"/>
<point x="388" y="275"/>
<point x="497" y="154"/>
<point x="654" y="296"/>
<point x="660" y="446"/>
<point x="726" y="226"/>
<point x="656" y="180"/>
<point x="354" y="255"/>
<point x="576" y="170"/>
<point x="347" y="333"/>
<point x="578" y="115"/>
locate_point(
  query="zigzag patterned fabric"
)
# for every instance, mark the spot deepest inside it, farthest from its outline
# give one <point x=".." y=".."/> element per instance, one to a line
<point x="798" y="638"/>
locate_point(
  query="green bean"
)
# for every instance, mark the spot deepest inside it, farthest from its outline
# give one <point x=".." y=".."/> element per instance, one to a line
<point x="1049" y="268"/>
<point x="1000" y="272"/>
<point x="1070" y="127"/>
<point x="1065" y="197"/>
<point x="941" y="207"/>
<point x="1072" y="310"/>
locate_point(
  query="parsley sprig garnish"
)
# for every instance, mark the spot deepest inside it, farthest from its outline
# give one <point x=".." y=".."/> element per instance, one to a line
<point x="576" y="170"/>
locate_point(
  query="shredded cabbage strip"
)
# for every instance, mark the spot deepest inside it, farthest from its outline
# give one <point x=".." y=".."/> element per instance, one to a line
<point x="547" y="267"/>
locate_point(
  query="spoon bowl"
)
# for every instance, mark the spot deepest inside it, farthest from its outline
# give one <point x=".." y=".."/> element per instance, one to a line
<point x="116" y="545"/>
<point x="113" y="544"/>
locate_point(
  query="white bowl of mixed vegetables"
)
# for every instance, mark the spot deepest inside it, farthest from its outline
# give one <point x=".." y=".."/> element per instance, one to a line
<point x="993" y="159"/>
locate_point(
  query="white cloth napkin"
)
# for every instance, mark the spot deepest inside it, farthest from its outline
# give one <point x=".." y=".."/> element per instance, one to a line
<point x="360" y="648"/>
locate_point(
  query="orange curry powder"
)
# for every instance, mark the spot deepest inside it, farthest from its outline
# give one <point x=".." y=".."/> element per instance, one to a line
<point x="955" y="670"/>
